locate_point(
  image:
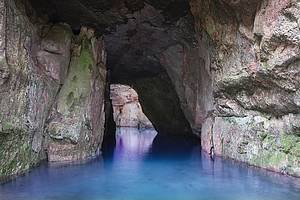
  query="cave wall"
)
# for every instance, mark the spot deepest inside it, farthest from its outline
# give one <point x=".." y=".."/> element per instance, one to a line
<point x="255" y="67"/>
<point x="25" y="95"/>
<point x="37" y="64"/>
<point x="149" y="40"/>
<point x="188" y="66"/>
<point x="76" y="123"/>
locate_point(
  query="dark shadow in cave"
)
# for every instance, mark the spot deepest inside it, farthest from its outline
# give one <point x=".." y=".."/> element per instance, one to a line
<point x="109" y="138"/>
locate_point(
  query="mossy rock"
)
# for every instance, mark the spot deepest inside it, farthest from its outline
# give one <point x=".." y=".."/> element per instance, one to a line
<point x="6" y="127"/>
<point x="288" y="142"/>
<point x="16" y="154"/>
<point x="77" y="86"/>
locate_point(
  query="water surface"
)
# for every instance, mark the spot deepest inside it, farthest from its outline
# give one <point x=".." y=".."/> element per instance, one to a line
<point x="138" y="172"/>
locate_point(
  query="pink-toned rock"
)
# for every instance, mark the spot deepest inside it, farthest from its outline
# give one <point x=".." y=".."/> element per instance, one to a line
<point x="255" y="71"/>
<point x="27" y="90"/>
<point x="127" y="109"/>
<point x="54" y="56"/>
<point x="76" y="123"/>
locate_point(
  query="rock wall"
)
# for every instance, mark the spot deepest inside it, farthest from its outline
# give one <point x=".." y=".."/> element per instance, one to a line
<point x="36" y="80"/>
<point x="76" y="123"/>
<point x="256" y="78"/>
<point x="127" y="109"/>
<point x="26" y="91"/>
<point x="188" y="65"/>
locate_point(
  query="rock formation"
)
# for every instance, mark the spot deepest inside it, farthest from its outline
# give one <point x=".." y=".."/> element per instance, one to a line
<point x="52" y="91"/>
<point x="136" y="32"/>
<point x="256" y="78"/>
<point x="127" y="108"/>
<point x="76" y="123"/>
<point x="27" y="91"/>
<point x="226" y="70"/>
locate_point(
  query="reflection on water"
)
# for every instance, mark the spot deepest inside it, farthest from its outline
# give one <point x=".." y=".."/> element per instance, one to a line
<point x="132" y="143"/>
<point x="137" y="173"/>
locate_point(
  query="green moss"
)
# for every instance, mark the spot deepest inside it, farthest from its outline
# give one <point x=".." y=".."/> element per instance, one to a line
<point x="77" y="84"/>
<point x="296" y="150"/>
<point x="15" y="154"/>
<point x="70" y="98"/>
<point x="7" y="127"/>
<point x="276" y="159"/>
<point x="229" y="119"/>
<point x="270" y="159"/>
<point x="269" y="142"/>
<point x="279" y="152"/>
<point x="262" y="136"/>
<point x="288" y="142"/>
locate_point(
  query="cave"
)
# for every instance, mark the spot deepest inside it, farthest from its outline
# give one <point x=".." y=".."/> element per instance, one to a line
<point x="219" y="74"/>
<point x="151" y="46"/>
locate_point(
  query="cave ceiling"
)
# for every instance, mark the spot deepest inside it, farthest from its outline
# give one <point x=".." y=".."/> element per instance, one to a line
<point x="136" y="32"/>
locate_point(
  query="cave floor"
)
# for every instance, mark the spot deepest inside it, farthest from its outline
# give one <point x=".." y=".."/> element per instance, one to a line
<point x="138" y="172"/>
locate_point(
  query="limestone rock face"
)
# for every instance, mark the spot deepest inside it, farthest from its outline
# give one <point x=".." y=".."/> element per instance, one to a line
<point x="28" y="85"/>
<point x="256" y="76"/>
<point x="127" y="109"/>
<point x="54" y="56"/>
<point x="40" y="87"/>
<point x="189" y="69"/>
<point x="76" y="123"/>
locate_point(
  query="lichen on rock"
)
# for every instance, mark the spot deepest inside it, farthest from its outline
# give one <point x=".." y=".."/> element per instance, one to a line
<point x="26" y="92"/>
<point x="76" y="124"/>
<point x="35" y="58"/>
<point x="255" y="67"/>
<point x="259" y="141"/>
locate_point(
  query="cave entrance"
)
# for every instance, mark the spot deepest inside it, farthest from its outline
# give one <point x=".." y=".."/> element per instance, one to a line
<point x="153" y="46"/>
<point x="127" y="110"/>
<point x="134" y="136"/>
<point x="134" y="131"/>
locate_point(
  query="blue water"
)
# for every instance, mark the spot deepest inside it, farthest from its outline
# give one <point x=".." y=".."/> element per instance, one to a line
<point x="137" y="171"/>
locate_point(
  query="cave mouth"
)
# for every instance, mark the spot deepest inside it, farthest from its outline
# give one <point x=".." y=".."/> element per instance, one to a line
<point x="134" y="136"/>
<point x="134" y="132"/>
<point x="127" y="110"/>
<point x="151" y="46"/>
